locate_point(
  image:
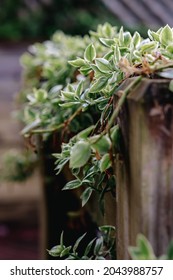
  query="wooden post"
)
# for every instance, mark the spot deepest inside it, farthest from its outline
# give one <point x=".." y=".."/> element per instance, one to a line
<point x="144" y="170"/>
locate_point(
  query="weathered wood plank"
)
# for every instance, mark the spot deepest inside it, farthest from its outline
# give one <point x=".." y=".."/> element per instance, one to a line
<point x="145" y="177"/>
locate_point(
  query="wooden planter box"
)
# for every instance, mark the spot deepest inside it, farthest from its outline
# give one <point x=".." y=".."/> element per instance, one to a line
<point x="144" y="170"/>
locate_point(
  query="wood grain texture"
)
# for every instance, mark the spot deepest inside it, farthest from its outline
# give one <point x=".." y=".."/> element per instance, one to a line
<point x="145" y="172"/>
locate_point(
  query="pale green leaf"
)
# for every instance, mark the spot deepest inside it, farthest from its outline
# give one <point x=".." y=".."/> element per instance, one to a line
<point x="76" y="245"/>
<point x="107" y="42"/>
<point x="169" y="48"/>
<point x="79" y="62"/>
<point x="105" y="162"/>
<point x="40" y="95"/>
<point x="136" y="39"/>
<point x="127" y="38"/>
<point x="171" y="85"/>
<point x="65" y="252"/>
<point x="148" y="46"/>
<point x="90" y="53"/>
<point x="84" y="133"/>
<point x="99" y="84"/>
<point x="166" y="35"/>
<point x="80" y="154"/>
<point x="117" y="54"/>
<point x="101" y="145"/>
<point x="143" y="251"/>
<point x="86" y="195"/>
<point x="72" y="185"/>
<point x="79" y="89"/>
<point x="103" y="65"/>
<point x="98" y="246"/>
<point x="121" y="36"/>
<point x="56" y="251"/>
<point x="153" y="35"/>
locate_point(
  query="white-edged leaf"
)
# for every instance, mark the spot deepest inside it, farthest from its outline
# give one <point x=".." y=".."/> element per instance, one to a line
<point x="98" y="246"/>
<point x="105" y="162"/>
<point x="79" y="89"/>
<point x="136" y="39"/>
<point x="99" y="84"/>
<point x="86" y="195"/>
<point x="80" y="154"/>
<point x="78" y="242"/>
<point x="31" y="126"/>
<point x="107" y="42"/>
<point x="90" y="53"/>
<point x="79" y="62"/>
<point x="166" y="35"/>
<point x="73" y="185"/>
<point x="103" y="65"/>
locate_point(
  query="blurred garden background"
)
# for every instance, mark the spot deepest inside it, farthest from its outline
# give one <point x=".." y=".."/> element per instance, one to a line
<point x="23" y="22"/>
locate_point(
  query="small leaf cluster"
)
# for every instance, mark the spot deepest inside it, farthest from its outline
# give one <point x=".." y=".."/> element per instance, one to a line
<point x="99" y="248"/>
<point x="126" y="56"/>
<point x="144" y="250"/>
<point x="90" y="160"/>
<point x="17" y="166"/>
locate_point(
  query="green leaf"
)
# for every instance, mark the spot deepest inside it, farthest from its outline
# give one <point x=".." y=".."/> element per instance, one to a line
<point x="136" y="39"/>
<point x="62" y="239"/>
<point x="105" y="162"/>
<point x="40" y="95"/>
<point x="86" y="195"/>
<point x="101" y="145"/>
<point x="85" y="70"/>
<point x="80" y="154"/>
<point x="89" y="246"/>
<point x="56" y="250"/>
<point x="67" y="95"/>
<point x="153" y="35"/>
<point x="90" y="53"/>
<point x="127" y="38"/>
<point x="148" y="46"/>
<point x="166" y="35"/>
<point x="60" y="165"/>
<point x="31" y="126"/>
<point x="115" y="136"/>
<point x="99" y="245"/>
<point x="99" y="84"/>
<point x="84" y="133"/>
<point x="79" y="89"/>
<point x="171" y="85"/>
<point x="78" y="242"/>
<point x="107" y="42"/>
<point x="72" y="185"/>
<point x="169" y="48"/>
<point x="79" y="62"/>
<point x="170" y="251"/>
<point x="143" y="251"/>
<point x="121" y="36"/>
<point x="103" y="65"/>
<point x="117" y="54"/>
<point x="65" y="252"/>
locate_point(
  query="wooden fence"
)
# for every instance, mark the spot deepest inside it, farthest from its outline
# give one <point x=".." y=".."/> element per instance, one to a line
<point x="144" y="170"/>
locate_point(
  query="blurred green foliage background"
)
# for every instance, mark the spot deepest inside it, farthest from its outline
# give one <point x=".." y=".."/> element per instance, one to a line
<point x="31" y="19"/>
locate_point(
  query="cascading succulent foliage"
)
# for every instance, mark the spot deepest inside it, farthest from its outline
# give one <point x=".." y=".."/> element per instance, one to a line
<point x="75" y="80"/>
